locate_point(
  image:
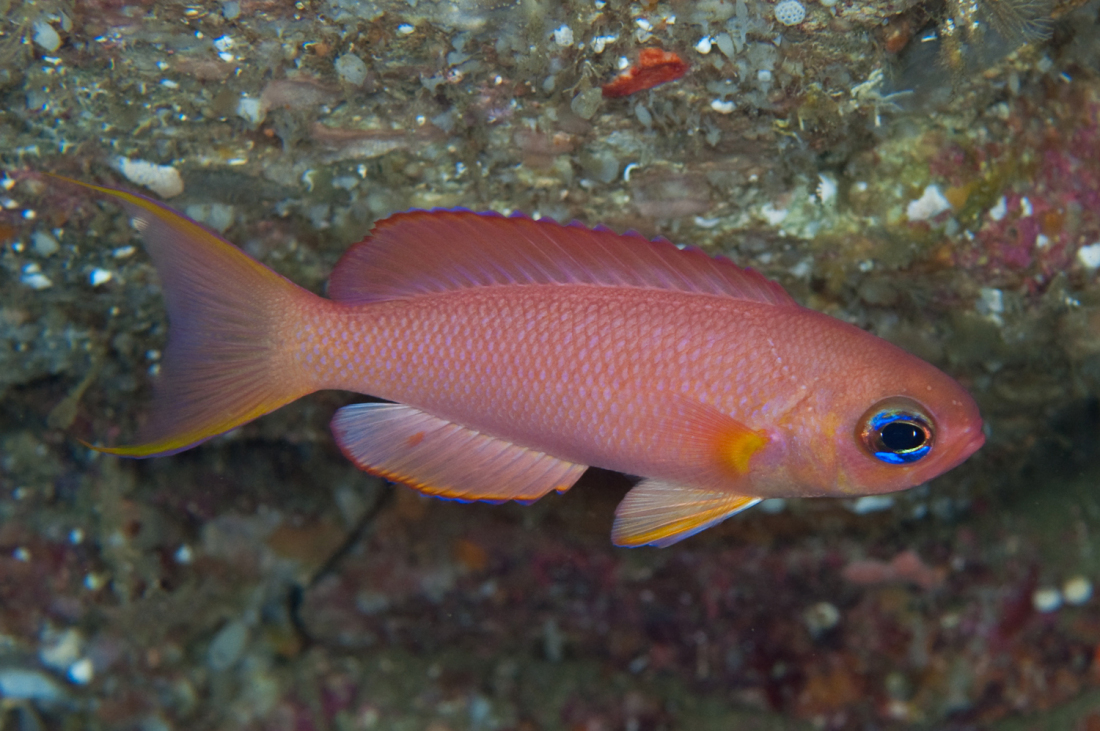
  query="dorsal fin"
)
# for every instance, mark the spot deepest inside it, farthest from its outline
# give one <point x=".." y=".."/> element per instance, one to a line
<point x="429" y="252"/>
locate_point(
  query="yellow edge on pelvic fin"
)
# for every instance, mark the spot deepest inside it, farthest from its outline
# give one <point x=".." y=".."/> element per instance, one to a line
<point x="657" y="534"/>
<point x="683" y="525"/>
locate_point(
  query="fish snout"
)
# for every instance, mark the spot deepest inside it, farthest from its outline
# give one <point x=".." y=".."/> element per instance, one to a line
<point x="967" y="442"/>
<point x="975" y="442"/>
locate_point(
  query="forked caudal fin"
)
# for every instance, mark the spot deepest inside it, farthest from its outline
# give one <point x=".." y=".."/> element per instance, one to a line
<point x="221" y="367"/>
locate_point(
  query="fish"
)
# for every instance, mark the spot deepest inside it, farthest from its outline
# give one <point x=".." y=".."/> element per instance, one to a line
<point x="508" y="354"/>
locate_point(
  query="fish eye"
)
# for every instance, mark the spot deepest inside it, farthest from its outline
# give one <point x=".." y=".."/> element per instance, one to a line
<point x="896" y="431"/>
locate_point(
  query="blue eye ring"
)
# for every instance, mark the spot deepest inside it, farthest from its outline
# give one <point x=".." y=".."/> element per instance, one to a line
<point x="897" y="431"/>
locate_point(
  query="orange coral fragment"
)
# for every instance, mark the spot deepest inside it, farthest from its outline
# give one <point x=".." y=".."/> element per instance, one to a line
<point x="654" y="67"/>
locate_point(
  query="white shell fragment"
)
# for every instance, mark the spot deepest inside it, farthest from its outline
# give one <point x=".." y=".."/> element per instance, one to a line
<point x="60" y="648"/>
<point x="601" y="42"/>
<point x="725" y="45"/>
<point x="18" y="684"/>
<point x="82" y="671"/>
<point x="931" y="203"/>
<point x="585" y="104"/>
<point x="774" y="216"/>
<point x="826" y="188"/>
<point x="351" y="69"/>
<point x="998" y="211"/>
<point x="563" y="36"/>
<point x="251" y="109"/>
<point x="1046" y="599"/>
<point x="790" y="12"/>
<point x="44" y="243"/>
<point x="99" y="276"/>
<point x="45" y="37"/>
<point x="1089" y="256"/>
<point x="34" y="278"/>
<point x="164" y="180"/>
<point x="223" y="43"/>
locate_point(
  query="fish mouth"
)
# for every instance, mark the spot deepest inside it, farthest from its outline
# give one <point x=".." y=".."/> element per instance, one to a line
<point x="971" y="442"/>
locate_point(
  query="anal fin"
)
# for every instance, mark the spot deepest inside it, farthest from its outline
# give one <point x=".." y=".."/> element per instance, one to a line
<point x="659" y="513"/>
<point x="441" y="458"/>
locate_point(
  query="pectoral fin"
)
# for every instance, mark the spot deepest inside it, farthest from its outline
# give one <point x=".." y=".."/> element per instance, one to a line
<point x="441" y="458"/>
<point x="707" y="434"/>
<point x="659" y="513"/>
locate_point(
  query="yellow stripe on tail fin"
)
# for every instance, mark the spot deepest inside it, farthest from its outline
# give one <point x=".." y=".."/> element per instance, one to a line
<point x="222" y="366"/>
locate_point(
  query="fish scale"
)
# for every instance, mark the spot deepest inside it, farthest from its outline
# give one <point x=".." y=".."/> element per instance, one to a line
<point x="513" y="366"/>
<point x="503" y="341"/>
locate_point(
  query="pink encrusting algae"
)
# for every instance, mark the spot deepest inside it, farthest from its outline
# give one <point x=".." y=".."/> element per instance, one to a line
<point x="1036" y="211"/>
<point x="518" y="352"/>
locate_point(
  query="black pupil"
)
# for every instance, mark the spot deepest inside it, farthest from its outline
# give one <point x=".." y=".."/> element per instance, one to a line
<point x="902" y="436"/>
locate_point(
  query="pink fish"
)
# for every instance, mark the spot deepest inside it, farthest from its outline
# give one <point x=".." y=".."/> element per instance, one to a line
<point x="516" y="353"/>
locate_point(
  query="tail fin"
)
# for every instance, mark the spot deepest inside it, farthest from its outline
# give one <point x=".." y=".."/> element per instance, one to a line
<point x="222" y="366"/>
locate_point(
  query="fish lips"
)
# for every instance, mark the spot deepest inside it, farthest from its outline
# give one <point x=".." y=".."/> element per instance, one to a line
<point x="962" y="445"/>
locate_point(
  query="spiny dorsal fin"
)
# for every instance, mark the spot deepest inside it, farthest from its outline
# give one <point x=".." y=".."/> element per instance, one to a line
<point x="429" y="252"/>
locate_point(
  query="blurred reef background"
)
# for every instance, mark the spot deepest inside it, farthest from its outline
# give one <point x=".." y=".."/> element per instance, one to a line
<point x="926" y="169"/>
